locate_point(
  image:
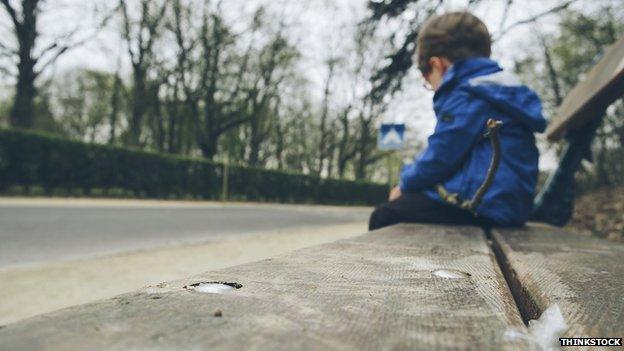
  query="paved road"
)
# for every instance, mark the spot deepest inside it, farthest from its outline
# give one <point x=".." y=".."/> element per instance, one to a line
<point x="40" y="231"/>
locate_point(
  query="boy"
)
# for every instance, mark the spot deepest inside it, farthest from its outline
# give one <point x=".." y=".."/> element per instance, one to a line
<point x="453" y="56"/>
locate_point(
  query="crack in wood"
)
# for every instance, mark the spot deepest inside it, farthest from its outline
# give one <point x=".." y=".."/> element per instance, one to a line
<point x="528" y="307"/>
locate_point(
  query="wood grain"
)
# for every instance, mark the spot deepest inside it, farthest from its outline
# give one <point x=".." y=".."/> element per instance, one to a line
<point x="602" y="85"/>
<point x="583" y="275"/>
<point x="373" y="292"/>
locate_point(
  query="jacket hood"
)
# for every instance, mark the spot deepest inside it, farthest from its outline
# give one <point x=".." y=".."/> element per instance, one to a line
<point x="486" y="79"/>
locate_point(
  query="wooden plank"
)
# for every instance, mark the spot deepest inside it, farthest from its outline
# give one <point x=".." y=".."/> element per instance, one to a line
<point x="603" y="84"/>
<point x="583" y="275"/>
<point x="374" y="292"/>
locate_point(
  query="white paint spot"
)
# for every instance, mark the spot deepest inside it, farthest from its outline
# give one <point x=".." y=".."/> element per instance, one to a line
<point x="450" y="274"/>
<point x="213" y="288"/>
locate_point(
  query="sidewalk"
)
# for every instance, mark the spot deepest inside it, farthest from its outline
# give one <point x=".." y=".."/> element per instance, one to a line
<point x="151" y="203"/>
<point x="29" y="291"/>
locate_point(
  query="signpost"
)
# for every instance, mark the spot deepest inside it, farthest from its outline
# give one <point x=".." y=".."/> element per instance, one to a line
<point x="224" y="188"/>
<point x="391" y="137"/>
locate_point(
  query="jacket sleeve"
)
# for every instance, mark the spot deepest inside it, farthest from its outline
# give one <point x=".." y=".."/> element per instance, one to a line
<point x="457" y="130"/>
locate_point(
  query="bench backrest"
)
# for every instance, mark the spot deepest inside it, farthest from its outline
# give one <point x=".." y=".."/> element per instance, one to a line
<point x="603" y="84"/>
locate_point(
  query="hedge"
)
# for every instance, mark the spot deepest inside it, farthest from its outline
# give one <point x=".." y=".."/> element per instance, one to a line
<point x="29" y="159"/>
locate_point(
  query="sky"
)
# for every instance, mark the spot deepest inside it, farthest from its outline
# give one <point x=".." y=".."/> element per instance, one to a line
<point x="318" y="27"/>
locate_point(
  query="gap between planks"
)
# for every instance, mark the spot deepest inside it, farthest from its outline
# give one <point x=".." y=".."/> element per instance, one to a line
<point x="528" y="307"/>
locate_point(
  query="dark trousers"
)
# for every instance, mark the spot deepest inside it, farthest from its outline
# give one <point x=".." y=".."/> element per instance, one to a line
<point x="419" y="208"/>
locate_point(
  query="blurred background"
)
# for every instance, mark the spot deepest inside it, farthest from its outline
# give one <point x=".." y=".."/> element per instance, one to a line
<point x="287" y="85"/>
<point x="249" y="100"/>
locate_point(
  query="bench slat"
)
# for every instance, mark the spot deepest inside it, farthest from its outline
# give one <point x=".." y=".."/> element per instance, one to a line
<point x="603" y="84"/>
<point x="583" y="275"/>
<point x="373" y="292"/>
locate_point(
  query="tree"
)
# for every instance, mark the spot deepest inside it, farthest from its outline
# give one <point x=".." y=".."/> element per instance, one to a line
<point x="346" y="147"/>
<point x="118" y="89"/>
<point x="566" y="56"/>
<point x="292" y="138"/>
<point x="87" y="104"/>
<point x="30" y="58"/>
<point x="366" y="144"/>
<point x="271" y="69"/>
<point x="140" y="36"/>
<point x="388" y="78"/>
<point x="218" y="114"/>
<point x="205" y="75"/>
<point x="180" y="98"/>
<point x="324" y="144"/>
<point x="365" y="60"/>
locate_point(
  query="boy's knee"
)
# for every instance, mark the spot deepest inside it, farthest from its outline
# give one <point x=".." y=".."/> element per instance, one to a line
<point x="381" y="217"/>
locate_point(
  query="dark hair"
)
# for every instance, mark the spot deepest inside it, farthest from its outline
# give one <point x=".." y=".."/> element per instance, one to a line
<point x="455" y="36"/>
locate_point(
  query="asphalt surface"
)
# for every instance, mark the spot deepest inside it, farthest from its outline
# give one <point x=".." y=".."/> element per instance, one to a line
<point x="43" y="233"/>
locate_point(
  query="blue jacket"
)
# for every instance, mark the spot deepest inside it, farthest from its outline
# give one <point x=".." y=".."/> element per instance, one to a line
<point x="458" y="156"/>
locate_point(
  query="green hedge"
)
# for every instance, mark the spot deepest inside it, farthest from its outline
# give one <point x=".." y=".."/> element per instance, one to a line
<point x="29" y="159"/>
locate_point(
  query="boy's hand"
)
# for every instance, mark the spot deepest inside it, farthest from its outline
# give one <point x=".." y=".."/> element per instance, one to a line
<point x="395" y="193"/>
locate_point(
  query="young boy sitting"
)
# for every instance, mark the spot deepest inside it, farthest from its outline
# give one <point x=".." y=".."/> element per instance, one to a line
<point x="453" y="56"/>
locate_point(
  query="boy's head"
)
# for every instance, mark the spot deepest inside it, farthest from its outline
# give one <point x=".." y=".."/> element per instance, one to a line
<point x="449" y="38"/>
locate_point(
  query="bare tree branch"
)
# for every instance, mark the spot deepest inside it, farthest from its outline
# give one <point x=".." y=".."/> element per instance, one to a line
<point x="233" y="122"/>
<point x="553" y="75"/>
<point x="184" y="47"/>
<point x="153" y="25"/>
<point x="62" y="49"/>
<point x="12" y="13"/>
<point x="51" y="61"/>
<point x="242" y="69"/>
<point x="505" y="15"/>
<point x="535" y="18"/>
<point x="7" y="51"/>
<point x="126" y="29"/>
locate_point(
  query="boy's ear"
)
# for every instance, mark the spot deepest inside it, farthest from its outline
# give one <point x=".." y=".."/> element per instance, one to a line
<point x="440" y="63"/>
<point x="434" y="63"/>
<point x="446" y="63"/>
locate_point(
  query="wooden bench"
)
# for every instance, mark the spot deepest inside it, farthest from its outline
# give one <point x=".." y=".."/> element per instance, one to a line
<point x="583" y="275"/>
<point x="602" y="85"/>
<point x="407" y="287"/>
<point x="578" y="118"/>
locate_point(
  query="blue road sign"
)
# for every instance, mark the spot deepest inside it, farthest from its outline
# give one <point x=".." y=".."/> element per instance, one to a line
<point x="391" y="136"/>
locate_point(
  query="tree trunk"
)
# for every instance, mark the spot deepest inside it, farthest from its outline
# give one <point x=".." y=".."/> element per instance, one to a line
<point x="279" y="145"/>
<point x="138" y="106"/>
<point x="23" y="110"/>
<point x="552" y="73"/>
<point x="360" y="169"/>
<point x="171" y="134"/>
<point x="209" y="147"/>
<point x="324" y="117"/>
<point x="254" y="142"/>
<point x="363" y="152"/>
<point x="602" y="173"/>
<point x="343" y="154"/>
<point x="330" y="162"/>
<point x="114" y="108"/>
<point x="159" y="123"/>
<point x="173" y="112"/>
